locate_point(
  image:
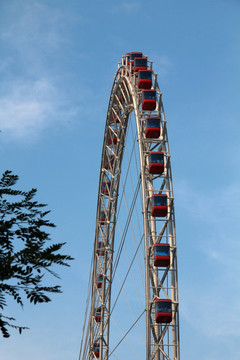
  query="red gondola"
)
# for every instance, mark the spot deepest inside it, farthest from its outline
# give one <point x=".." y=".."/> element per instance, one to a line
<point x="109" y="162"/>
<point x="161" y="255"/>
<point x="114" y="118"/>
<point x="132" y="55"/>
<point x="97" y="314"/>
<point x="140" y="64"/>
<point x="159" y="205"/>
<point x="100" y="248"/>
<point x="99" y="281"/>
<point x="112" y="140"/>
<point x="152" y="127"/>
<point x="96" y="347"/>
<point x="106" y="187"/>
<point x="156" y="162"/>
<point x="149" y="100"/>
<point x="103" y="218"/>
<point x="163" y="311"/>
<point x="144" y="79"/>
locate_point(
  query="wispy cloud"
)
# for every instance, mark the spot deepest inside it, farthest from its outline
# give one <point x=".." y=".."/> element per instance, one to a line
<point x="127" y="7"/>
<point x="213" y="204"/>
<point x="28" y="108"/>
<point x="218" y="213"/>
<point x="30" y="97"/>
<point x="214" y="312"/>
<point x="37" y="26"/>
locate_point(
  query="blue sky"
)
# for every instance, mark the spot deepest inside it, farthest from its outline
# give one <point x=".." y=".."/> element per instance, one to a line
<point x="58" y="60"/>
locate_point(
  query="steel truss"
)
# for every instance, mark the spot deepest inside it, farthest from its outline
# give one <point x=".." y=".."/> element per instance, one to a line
<point x="162" y="340"/>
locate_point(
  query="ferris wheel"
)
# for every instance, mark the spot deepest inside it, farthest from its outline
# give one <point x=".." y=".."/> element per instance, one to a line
<point x="133" y="286"/>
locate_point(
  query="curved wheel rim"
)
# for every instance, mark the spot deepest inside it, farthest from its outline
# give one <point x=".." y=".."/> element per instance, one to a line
<point x="162" y="339"/>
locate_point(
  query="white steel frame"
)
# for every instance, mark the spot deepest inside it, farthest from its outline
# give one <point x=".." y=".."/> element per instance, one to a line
<point x="162" y="340"/>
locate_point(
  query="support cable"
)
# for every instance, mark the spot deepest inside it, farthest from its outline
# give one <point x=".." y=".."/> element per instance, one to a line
<point x="128" y="342"/>
<point x="127" y="333"/>
<point x="126" y="275"/>
<point x="86" y="310"/>
<point x="125" y="229"/>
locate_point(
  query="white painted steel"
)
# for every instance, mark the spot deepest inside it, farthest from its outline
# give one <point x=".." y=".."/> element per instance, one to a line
<point x="162" y="340"/>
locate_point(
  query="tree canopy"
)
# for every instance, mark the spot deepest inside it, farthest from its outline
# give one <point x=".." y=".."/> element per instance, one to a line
<point x="26" y="251"/>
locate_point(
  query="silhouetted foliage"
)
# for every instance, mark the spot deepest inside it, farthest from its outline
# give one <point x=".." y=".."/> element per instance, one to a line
<point x="24" y="255"/>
